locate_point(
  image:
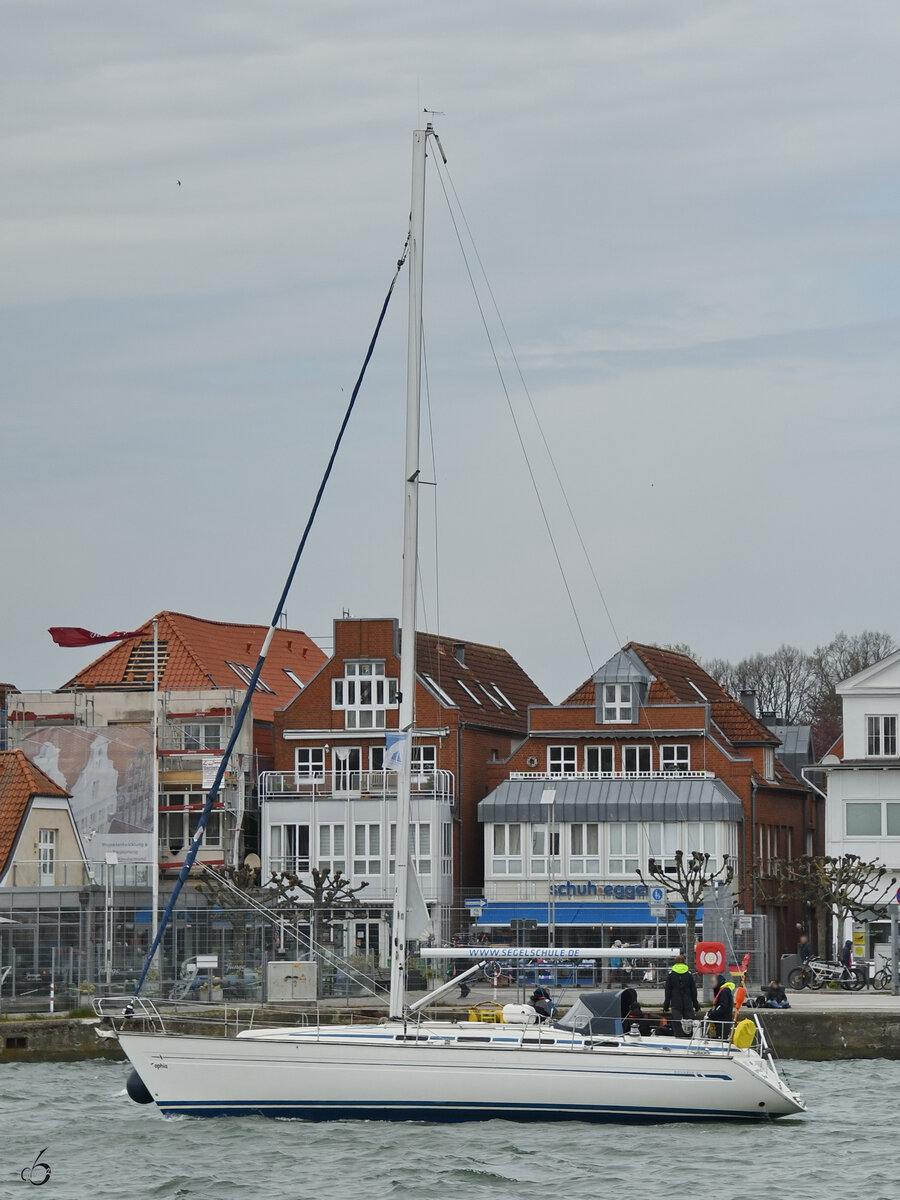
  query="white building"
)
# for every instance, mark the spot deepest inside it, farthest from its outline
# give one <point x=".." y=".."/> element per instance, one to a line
<point x="862" y="814"/>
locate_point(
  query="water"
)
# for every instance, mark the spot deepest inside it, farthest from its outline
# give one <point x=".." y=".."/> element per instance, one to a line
<point x="99" y="1144"/>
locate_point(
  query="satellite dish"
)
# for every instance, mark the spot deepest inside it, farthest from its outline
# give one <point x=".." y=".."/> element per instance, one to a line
<point x="253" y="861"/>
<point x="830" y="760"/>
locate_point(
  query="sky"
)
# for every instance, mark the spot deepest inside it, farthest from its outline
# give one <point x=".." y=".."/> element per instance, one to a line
<point x="687" y="215"/>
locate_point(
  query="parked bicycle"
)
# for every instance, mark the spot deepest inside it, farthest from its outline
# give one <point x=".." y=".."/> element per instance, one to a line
<point x="816" y="972"/>
<point x="883" y="978"/>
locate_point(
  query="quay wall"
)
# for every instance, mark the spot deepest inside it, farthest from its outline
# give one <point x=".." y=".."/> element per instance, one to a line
<point x="813" y="1036"/>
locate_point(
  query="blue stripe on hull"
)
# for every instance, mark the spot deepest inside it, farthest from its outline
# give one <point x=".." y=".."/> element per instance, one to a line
<point x="440" y="1112"/>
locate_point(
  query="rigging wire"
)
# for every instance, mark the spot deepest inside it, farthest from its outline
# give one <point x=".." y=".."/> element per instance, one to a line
<point x="197" y="838"/>
<point x="653" y="734"/>
<point x="513" y="416"/>
<point x="534" y="414"/>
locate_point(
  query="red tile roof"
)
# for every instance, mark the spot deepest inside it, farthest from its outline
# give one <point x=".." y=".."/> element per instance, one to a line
<point x="196" y="654"/>
<point x="485" y="683"/>
<point x="20" y="782"/>
<point x="678" y="680"/>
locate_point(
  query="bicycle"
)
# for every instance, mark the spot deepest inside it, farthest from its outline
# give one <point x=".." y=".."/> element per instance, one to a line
<point x="816" y="972"/>
<point x="883" y="977"/>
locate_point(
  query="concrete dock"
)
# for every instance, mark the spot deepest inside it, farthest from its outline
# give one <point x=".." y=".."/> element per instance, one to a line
<point x="824" y="1025"/>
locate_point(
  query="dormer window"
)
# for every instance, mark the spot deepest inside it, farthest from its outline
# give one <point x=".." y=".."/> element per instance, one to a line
<point x="365" y="694"/>
<point x="618" y="703"/>
<point x="881" y="737"/>
<point x="621" y="688"/>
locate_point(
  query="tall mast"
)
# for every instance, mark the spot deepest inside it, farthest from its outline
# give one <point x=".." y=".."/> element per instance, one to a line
<point x="410" y="552"/>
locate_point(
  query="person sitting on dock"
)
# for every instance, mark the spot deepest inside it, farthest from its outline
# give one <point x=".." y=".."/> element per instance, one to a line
<point x="680" y="995"/>
<point x="775" y="996"/>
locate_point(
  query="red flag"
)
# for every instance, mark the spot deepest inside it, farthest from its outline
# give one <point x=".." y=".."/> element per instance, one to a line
<point x="69" y="636"/>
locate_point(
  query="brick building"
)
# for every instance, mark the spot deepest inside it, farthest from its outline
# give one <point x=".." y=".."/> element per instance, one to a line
<point x="647" y="757"/>
<point x="329" y="800"/>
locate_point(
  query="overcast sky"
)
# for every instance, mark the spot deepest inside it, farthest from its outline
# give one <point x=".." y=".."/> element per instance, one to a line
<point x="688" y="214"/>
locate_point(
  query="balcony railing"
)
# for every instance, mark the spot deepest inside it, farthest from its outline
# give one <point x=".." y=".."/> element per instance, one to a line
<point x="78" y="873"/>
<point x="376" y="785"/>
<point x="554" y="775"/>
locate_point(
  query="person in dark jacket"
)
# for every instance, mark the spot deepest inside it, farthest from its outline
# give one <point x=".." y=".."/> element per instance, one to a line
<point x="847" y="955"/>
<point x="776" y="996"/>
<point x="541" y="1003"/>
<point x="721" y="1015"/>
<point x="681" y="995"/>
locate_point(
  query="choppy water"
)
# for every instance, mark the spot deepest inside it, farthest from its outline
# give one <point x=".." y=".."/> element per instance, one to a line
<point x="99" y="1144"/>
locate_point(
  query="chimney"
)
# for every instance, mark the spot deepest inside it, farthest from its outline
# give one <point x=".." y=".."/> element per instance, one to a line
<point x="748" y="699"/>
<point x="459" y="653"/>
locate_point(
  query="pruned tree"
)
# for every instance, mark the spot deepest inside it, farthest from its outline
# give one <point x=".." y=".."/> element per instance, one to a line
<point x="230" y="890"/>
<point x="841" y="887"/>
<point x="326" y="892"/>
<point x="685" y="885"/>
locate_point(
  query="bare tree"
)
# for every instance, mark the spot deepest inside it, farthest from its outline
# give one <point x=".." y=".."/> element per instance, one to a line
<point x="799" y="687"/>
<point x="844" y="656"/>
<point x="685" y="885"/>
<point x="326" y="893"/>
<point x="784" y="681"/>
<point x="231" y="890"/>
<point x="843" y="887"/>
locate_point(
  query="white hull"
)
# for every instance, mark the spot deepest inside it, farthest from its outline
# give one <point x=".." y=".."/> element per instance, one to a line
<point x="442" y="1074"/>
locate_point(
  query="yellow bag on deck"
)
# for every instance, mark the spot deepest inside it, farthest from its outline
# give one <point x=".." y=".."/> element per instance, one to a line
<point x="744" y="1033"/>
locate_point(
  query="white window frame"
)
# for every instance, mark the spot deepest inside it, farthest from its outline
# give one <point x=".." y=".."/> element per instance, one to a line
<point x="643" y="756"/>
<point x="331" y="839"/>
<point x="881" y="736"/>
<point x="46" y="851"/>
<point x="675" y="758"/>
<point x="367" y="848"/>
<point x="346" y="770"/>
<point x="364" y="694"/>
<point x="702" y="835"/>
<point x="419" y="847"/>
<point x="888" y="816"/>
<point x="618" y="707"/>
<point x="605" y="760"/>
<point x="289" y="846"/>
<point x="623" y="855"/>
<point x="584" y="848"/>
<point x="309" y="763"/>
<point x="446" y="848"/>
<point x="423" y="762"/>
<point x="662" y="842"/>
<point x="562" y="760"/>
<point x="545" y="848"/>
<point x="201" y="735"/>
<point x="507" y="848"/>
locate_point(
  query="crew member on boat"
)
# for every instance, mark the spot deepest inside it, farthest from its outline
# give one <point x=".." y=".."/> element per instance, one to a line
<point x="681" y="995"/>
<point x="721" y="1014"/>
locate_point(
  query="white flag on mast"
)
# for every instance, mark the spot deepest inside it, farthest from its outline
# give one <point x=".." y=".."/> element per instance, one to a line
<point x="394" y="751"/>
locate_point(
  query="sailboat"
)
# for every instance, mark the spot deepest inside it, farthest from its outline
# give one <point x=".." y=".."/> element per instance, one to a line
<point x="593" y="1064"/>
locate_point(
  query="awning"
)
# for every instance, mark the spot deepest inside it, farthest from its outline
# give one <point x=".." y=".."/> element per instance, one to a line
<point x="497" y="914"/>
<point x="662" y="798"/>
